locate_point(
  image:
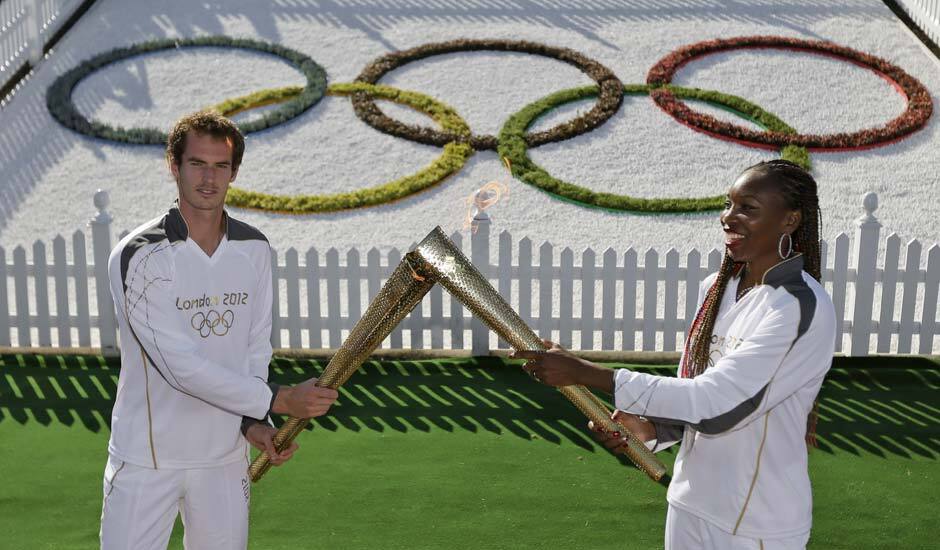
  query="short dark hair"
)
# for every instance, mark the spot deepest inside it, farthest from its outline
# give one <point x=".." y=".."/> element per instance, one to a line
<point x="204" y="122"/>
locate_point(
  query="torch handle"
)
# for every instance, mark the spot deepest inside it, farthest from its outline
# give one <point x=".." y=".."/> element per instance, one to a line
<point x="282" y="439"/>
<point x="395" y="300"/>
<point x="597" y="412"/>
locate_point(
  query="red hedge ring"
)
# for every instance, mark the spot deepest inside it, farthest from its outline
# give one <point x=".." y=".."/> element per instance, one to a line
<point x="915" y="116"/>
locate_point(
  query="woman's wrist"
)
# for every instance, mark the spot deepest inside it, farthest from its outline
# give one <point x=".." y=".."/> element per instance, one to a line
<point x="648" y="430"/>
<point x="597" y="377"/>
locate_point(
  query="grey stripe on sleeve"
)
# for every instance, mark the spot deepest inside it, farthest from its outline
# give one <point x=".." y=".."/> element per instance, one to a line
<point x="667" y="433"/>
<point x="721" y="423"/>
<point x="788" y="275"/>
<point x="717" y="424"/>
<point x="726" y="421"/>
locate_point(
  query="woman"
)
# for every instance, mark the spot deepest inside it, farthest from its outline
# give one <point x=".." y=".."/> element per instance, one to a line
<point x="756" y="355"/>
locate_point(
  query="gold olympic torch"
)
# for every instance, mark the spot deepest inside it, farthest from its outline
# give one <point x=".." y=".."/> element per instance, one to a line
<point x="437" y="260"/>
<point x="400" y="294"/>
<point x="446" y="263"/>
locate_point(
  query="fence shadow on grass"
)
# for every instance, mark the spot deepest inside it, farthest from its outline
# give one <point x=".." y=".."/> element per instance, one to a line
<point x="480" y="395"/>
<point x="882" y="411"/>
<point x="455" y="396"/>
<point x="65" y="389"/>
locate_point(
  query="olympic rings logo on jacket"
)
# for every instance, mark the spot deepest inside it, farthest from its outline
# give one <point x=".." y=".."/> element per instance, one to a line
<point x="212" y="322"/>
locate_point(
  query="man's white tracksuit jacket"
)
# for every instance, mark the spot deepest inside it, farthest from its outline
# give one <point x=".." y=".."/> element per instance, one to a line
<point x="195" y="344"/>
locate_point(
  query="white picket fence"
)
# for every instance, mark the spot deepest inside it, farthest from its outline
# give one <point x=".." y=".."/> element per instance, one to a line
<point x="609" y="301"/>
<point x="25" y="27"/>
<point x="926" y="13"/>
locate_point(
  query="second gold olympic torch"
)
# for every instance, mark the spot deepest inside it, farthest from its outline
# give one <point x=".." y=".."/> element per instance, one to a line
<point x="438" y="260"/>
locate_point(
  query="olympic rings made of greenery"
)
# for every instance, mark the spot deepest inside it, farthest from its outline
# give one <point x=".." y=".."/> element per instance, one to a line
<point x="256" y="100"/>
<point x="607" y="104"/>
<point x="512" y="147"/>
<point x="59" y="96"/>
<point x="915" y="116"/>
<point x="513" y="141"/>
<point x="451" y="160"/>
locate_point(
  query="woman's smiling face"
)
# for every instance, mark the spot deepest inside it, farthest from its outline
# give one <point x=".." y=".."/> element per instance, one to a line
<point x="754" y="218"/>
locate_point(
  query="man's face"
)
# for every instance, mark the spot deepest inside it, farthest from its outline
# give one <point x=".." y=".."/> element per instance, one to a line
<point x="204" y="172"/>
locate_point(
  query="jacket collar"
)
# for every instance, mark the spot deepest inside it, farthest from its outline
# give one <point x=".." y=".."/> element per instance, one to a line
<point x="784" y="271"/>
<point x="176" y="228"/>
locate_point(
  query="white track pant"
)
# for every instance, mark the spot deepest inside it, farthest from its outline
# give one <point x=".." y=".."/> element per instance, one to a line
<point x="685" y="531"/>
<point x="141" y="504"/>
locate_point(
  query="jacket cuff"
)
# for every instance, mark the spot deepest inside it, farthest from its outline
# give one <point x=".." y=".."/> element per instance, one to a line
<point x="666" y="434"/>
<point x="275" y="388"/>
<point x="248" y="422"/>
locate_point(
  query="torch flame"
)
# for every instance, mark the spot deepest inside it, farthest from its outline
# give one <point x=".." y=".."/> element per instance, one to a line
<point x="481" y="199"/>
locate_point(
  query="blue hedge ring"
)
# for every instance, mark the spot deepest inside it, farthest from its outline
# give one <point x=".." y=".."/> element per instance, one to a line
<point x="60" y="105"/>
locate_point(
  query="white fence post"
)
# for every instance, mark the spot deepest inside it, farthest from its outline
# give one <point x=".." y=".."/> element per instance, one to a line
<point x="314" y="320"/>
<point x="60" y="272"/>
<point x="34" y="32"/>
<point x="928" y="323"/>
<point x="23" y="324"/>
<point x="866" y="256"/>
<point x="292" y="282"/>
<point x="840" y="275"/>
<point x="4" y="301"/>
<point x="504" y="274"/>
<point x="480" y="256"/>
<point x="651" y="276"/>
<point x="101" y="249"/>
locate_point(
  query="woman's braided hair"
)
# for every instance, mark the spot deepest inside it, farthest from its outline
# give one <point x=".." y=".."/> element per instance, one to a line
<point x="798" y="190"/>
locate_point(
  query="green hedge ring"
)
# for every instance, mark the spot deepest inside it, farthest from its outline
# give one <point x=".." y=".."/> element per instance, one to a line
<point x="273" y="96"/>
<point x="452" y="159"/>
<point x="513" y="148"/>
<point x="59" y="97"/>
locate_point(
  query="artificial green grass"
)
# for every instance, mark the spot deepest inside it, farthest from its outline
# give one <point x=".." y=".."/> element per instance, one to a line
<point x="464" y="454"/>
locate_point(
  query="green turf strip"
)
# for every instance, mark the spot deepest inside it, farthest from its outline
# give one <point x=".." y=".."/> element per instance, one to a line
<point x="464" y="454"/>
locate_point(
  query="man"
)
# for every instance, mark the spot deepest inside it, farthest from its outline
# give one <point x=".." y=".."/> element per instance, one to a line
<point x="193" y="295"/>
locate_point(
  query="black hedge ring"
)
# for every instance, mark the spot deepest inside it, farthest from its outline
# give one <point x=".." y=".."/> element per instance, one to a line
<point x="608" y="100"/>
